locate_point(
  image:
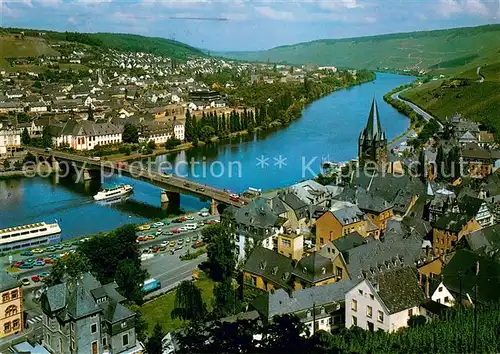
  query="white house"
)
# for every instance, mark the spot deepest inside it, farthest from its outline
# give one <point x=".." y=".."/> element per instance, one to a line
<point x="175" y="99"/>
<point x="159" y="133"/>
<point x="86" y="135"/>
<point x="38" y="107"/>
<point x="443" y="296"/>
<point x="179" y="130"/>
<point x="385" y="302"/>
<point x="10" y="139"/>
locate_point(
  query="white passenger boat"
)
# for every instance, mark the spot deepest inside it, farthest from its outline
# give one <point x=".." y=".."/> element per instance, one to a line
<point x="113" y="193"/>
<point x="31" y="235"/>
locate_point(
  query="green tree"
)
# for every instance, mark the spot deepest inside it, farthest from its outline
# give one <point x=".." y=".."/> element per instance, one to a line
<point x="154" y="344"/>
<point x="130" y="134"/>
<point x="72" y="266"/>
<point x="211" y="231"/>
<point x="225" y="300"/>
<point x="129" y="278"/>
<point x="221" y="256"/>
<point x="18" y="165"/>
<point x="152" y="144"/>
<point x="6" y="164"/>
<point x="440" y="161"/>
<point x="141" y="326"/>
<point x="25" y="137"/>
<point x="189" y="303"/>
<point x="206" y="133"/>
<point x="90" y="113"/>
<point x="172" y="143"/>
<point x="284" y="335"/>
<point x="46" y="137"/>
<point x="37" y="84"/>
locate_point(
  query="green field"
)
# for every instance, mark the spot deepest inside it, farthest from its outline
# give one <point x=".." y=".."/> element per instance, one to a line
<point x="441" y="50"/>
<point x="10" y="47"/>
<point x="158" y="310"/>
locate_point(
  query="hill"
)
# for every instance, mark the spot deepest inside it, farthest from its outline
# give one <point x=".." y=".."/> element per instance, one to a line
<point x="440" y="49"/>
<point x="465" y="93"/>
<point x="117" y="41"/>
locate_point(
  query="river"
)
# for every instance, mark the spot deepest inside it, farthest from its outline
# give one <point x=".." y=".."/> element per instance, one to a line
<point x="328" y="130"/>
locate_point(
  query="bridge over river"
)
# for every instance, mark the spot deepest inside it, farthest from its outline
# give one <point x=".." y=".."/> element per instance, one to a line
<point x="172" y="185"/>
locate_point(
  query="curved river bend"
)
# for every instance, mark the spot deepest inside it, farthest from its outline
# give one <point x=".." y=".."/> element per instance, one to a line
<point x="328" y="129"/>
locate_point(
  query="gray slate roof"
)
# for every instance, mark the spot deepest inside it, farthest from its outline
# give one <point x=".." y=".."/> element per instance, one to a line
<point x="280" y="303"/>
<point x="270" y="265"/>
<point x="486" y="240"/>
<point x="311" y="267"/>
<point x="399" y="289"/>
<point x="401" y="245"/>
<point x="7" y="281"/>
<point x="365" y="200"/>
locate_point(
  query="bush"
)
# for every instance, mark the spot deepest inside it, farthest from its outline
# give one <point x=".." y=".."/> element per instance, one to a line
<point x="194" y="255"/>
<point x="172" y="143"/>
<point x="125" y="149"/>
<point x="151" y="144"/>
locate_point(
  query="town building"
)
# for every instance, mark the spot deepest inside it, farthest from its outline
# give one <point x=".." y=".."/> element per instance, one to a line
<point x="159" y="133"/>
<point x="340" y="220"/>
<point x="179" y="130"/>
<point x="10" y="138"/>
<point x="255" y="224"/>
<point x="85" y="135"/>
<point x="291" y="245"/>
<point x="11" y="305"/>
<point x="372" y="143"/>
<point x="449" y="229"/>
<point x="385" y="301"/>
<point x="84" y="316"/>
<point x="319" y="308"/>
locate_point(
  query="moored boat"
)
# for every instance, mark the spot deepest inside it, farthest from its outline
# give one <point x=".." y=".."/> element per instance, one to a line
<point x="30" y="235"/>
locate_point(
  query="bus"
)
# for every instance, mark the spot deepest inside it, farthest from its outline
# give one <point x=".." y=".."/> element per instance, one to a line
<point x="151" y="285"/>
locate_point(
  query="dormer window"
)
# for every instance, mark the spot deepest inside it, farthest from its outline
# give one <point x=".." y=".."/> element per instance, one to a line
<point x="274" y="271"/>
<point x="308" y="314"/>
<point x="322" y="310"/>
<point x="263" y="265"/>
<point x="323" y="270"/>
<point x="304" y="270"/>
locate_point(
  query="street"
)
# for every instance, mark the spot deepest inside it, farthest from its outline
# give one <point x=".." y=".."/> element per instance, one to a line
<point x="416" y="108"/>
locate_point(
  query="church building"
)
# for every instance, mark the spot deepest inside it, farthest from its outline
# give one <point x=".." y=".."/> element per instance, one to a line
<point x="372" y="144"/>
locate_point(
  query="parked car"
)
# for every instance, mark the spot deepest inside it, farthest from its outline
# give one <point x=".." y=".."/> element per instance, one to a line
<point x="162" y="247"/>
<point x="49" y="261"/>
<point x="176" y="221"/>
<point x="156" y="249"/>
<point x="94" y="158"/>
<point x="52" y="248"/>
<point x="198" y="244"/>
<point x="171" y="243"/>
<point x="176" y="231"/>
<point x="189" y="217"/>
<point x="141" y="238"/>
<point x="204" y="214"/>
<point x="26" y="266"/>
<point x="18" y="264"/>
<point x="48" y="149"/>
<point x="149" y="237"/>
<point x="179" y="247"/>
<point x="39" y="263"/>
<point x="35" y="278"/>
<point x="25" y="281"/>
<point x="158" y="224"/>
<point x="201" y="189"/>
<point x="26" y="253"/>
<point x="37" y="250"/>
<point x="43" y="275"/>
<point x="183" y="218"/>
<point x="180" y="242"/>
<point x="183" y="229"/>
<point x="144" y="227"/>
<point x="167" y="233"/>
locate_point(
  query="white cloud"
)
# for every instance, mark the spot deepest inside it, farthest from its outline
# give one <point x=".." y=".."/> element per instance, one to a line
<point x="273" y="14"/>
<point x="447" y="8"/>
<point x="476" y="7"/>
<point x="336" y="5"/>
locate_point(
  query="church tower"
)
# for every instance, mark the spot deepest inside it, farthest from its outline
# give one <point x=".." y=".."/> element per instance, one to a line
<point x="372" y="144"/>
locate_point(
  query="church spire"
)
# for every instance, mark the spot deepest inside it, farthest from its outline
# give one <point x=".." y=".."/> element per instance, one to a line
<point x="373" y="130"/>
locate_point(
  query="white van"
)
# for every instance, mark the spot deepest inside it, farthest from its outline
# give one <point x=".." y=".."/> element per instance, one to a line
<point x="191" y="226"/>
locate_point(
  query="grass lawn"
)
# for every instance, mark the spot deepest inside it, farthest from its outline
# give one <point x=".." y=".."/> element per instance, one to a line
<point x="159" y="309"/>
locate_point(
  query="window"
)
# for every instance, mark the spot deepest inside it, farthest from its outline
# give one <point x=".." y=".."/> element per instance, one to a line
<point x="93" y="328"/>
<point x="123" y="324"/>
<point x="321" y="241"/>
<point x="438" y="301"/>
<point x="410" y="312"/>
<point x="5" y="297"/>
<point x="446" y="300"/>
<point x="369" y="311"/>
<point x="354" y="321"/>
<point x="104" y="342"/>
<point x="286" y="243"/>
<point x="253" y="280"/>
<point x="60" y="344"/>
<point x="354" y="305"/>
<point x="11" y="311"/>
<point x="372" y="297"/>
<point x="360" y="292"/>
<point x="330" y="321"/>
<point x="440" y="289"/>
<point x="15" y="324"/>
<point x="380" y="317"/>
<point x="13" y="294"/>
<point x="125" y="340"/>
<point x="6" y="327"/>
<point x="339" y="272"/>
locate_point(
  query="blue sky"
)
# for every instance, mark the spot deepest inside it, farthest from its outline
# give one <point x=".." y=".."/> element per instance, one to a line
<point x="247" y="24"/>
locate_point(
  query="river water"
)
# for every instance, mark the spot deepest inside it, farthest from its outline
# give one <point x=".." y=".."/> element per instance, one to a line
<point x="328" y="130"/>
